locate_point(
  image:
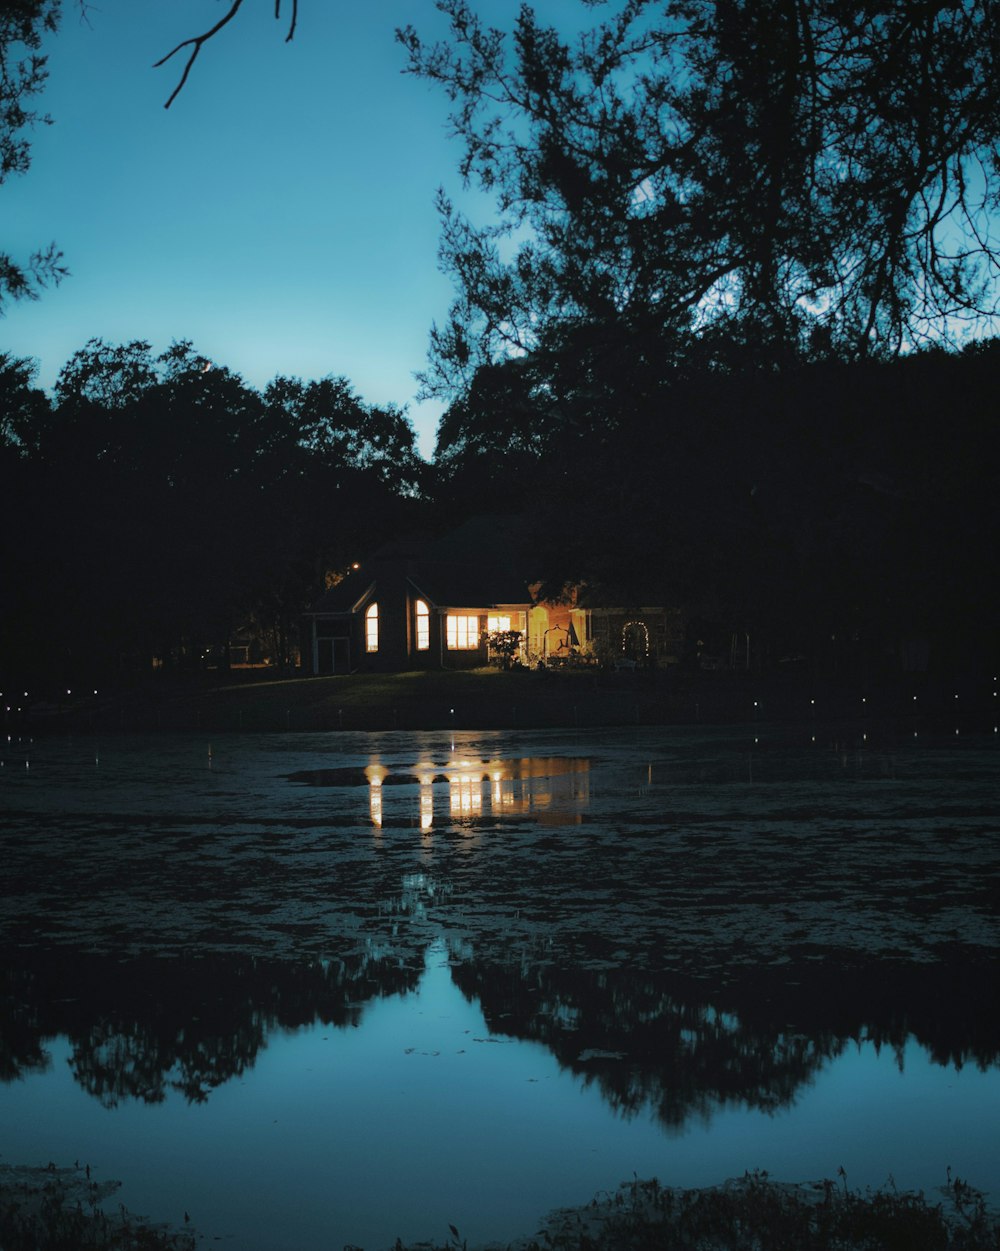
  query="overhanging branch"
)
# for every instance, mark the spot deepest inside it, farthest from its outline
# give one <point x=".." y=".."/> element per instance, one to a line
<point x="197" y="42"/>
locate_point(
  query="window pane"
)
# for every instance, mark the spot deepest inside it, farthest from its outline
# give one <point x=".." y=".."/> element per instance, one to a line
<point x="371" y="628"/>
<point x="423" y="626"/>
<point x="497" y="623"/>
<point x="462" y="632"/>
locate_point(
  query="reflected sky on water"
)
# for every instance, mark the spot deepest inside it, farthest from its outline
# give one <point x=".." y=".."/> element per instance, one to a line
<point x="419" y="1116"/>
<point x="357" y="987"/>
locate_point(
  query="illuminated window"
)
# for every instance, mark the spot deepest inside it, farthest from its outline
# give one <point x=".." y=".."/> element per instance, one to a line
<point x="463" y="632"/>
<point x="371" y="628"/>
<point x="497" y="623"/>
<point x="423" y="626"/>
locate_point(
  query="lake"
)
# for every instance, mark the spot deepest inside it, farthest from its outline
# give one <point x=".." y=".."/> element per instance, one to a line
<point x="329" y="989"/>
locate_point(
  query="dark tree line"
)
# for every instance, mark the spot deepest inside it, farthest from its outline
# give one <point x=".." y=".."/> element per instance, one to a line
<point x="158" y="507"/>
<point x="844" y="512"/>
<point x="699" y="345"/>
<point x="716" y="225"/>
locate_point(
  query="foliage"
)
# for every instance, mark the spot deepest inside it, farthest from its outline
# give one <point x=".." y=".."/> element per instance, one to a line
<point x="504" y="644"/>
<point x="58" y="1210"/>
<point x="717" y="181"/>
<point x="758" y="1212"/>
<point x="23" y="23"/>
<point x="206" y="507"/>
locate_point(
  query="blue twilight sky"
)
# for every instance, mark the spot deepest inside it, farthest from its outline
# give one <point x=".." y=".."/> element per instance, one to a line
<point x="280" y="214"/>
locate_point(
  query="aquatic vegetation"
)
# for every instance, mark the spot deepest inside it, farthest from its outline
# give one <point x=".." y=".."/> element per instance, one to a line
<point x="62" y="1209"/>
<point x="757" y="1212"/>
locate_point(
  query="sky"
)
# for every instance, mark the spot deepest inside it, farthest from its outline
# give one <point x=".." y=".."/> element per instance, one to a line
<point x="280" y="214"/>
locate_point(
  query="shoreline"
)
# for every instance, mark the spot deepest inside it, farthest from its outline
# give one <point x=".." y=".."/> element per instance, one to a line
<point x="41" y="1207"/>
<point x="480" y="699"/>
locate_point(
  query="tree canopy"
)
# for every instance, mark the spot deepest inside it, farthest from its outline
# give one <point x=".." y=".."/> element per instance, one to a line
<point x="728" y="180"/>
<point x="23" y="23"/>
<point x="159" y="506"/>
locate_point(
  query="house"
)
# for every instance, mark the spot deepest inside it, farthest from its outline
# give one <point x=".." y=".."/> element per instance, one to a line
<point x="434" y="604"/>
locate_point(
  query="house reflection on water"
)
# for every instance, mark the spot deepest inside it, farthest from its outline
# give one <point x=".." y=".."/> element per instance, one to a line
<point x="551" y="790"/>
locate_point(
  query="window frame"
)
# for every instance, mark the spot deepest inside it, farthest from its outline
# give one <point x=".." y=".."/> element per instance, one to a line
<point x="371" y="628"/>
<point x="461" y="636"/>
<point x="422" y="625"/>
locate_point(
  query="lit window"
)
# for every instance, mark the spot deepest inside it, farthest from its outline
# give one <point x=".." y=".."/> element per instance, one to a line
<point x="497" y="623"/>
<point x="423" y="626"/>
<point x="371" y="628"/>
<point x="463" y="632"/>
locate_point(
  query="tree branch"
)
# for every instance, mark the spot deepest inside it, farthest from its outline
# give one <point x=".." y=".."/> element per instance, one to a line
<point x="197" y="42"/>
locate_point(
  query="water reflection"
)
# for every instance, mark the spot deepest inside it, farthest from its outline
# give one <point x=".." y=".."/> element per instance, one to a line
<point x="730" y="928"/>
<point x="684" y="1049"/>
<point x="660" y="1043"/>
<point x="357" y="1101"/>
<point x="551" y="790"/>
<point x="141" y="1028"/>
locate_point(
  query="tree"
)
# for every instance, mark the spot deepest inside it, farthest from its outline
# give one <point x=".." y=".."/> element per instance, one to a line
<point x="23" y="72"/>
<point x="23" y="406"/>
<point x="725" y="181"/>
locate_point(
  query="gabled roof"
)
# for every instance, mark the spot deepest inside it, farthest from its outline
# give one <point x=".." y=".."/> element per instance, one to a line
<point x="345" y="598"/>
<point x="479" y="564"/>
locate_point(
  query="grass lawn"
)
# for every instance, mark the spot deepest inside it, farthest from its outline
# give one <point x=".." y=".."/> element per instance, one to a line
<point x="427" y="700"/>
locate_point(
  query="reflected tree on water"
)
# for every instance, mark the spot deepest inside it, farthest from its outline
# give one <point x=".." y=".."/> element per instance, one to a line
<point x="140" y="1029"/>
<point x="686" y="1048"/>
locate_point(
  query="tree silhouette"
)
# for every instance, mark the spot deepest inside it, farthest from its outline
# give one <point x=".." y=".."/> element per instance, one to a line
<point x="206" y="508"/>
<point x="23" y="73"/>
<point x="195" y="43"/>
<point x="720" y="180"/>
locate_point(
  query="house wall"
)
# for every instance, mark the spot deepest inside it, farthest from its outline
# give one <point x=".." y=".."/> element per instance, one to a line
<point x="616" y="632"/>
<point x="549" y="631"/>
<point x="332" y="644"/>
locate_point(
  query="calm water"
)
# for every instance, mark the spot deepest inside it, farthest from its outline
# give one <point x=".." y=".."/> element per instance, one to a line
<point x="317" y="990"/>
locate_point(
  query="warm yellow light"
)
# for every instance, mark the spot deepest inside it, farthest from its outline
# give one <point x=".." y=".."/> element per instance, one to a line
<point x="426" y="807"/>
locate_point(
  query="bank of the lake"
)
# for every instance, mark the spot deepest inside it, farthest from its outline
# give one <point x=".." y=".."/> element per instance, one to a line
<point x="58" y="1209"/>
<point x="259" y="700"/>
